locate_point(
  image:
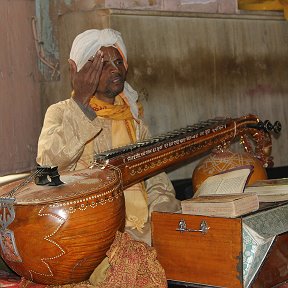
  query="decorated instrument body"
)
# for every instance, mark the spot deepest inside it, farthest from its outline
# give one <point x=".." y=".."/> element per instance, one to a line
<point x="58" y="235"/>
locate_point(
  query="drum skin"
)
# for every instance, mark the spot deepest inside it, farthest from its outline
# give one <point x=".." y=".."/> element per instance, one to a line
<point x="62" y="241"/>
<point x="220" y="161"/>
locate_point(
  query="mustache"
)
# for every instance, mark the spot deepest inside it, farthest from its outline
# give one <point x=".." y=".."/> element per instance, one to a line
<point x="117" y="77"/>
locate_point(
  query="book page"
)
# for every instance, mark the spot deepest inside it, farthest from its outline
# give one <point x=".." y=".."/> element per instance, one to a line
<point x="232" y="181"/>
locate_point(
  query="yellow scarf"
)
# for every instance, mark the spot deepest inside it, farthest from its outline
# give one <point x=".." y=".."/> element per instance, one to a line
<point x="123" y="133"/>
<point x="120" y="110"/>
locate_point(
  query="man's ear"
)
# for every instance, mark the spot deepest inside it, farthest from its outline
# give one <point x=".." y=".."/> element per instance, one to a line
<point x="72" y="66"/>
<point x="73" y="71"/>
<point x="126" y="71"/>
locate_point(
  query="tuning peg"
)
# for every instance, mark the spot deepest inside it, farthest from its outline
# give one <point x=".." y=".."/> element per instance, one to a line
<point x="259" y="125"/>
<point x="268" y="126"/>
<point x="277" y="127"/>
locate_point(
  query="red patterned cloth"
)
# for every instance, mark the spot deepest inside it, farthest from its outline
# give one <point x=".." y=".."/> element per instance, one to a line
<point x="13" y="281"/>
<point x="8" y="279"/>
<point x="133" y="264"/>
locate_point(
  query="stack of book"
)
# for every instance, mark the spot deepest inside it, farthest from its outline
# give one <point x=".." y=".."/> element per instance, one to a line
<point x="222" y="195"/>
<point x="271" y="190"/>
<point x="226" y="205"/>
<point x="227" y="194"/>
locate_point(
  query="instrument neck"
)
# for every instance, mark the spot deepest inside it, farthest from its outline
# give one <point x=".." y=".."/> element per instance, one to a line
<point x="152" y="156"/>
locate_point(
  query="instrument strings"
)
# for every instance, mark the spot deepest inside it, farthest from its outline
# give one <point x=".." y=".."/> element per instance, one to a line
<point x="27" y="180"/>
<point x="106" y="155"/>
<point x="191" y="129"/>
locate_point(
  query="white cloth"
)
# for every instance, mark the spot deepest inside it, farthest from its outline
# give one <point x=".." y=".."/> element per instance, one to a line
<point x="86" y="44"/>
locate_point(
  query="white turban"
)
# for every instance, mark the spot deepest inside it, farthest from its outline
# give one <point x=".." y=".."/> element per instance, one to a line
<point x="86" y="44"/>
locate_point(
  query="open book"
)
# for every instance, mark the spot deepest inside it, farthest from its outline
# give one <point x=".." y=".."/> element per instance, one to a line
<point x="271" y="190"/>
<point x="222" y="195"/>
<point x="230" y="181"/>
<point x="227" y="205"/>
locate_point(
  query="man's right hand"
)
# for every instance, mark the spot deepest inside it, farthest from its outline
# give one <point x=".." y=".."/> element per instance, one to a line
<point x="85" y="81"/>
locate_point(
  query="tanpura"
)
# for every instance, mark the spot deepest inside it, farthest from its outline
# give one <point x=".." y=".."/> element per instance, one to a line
<point x="59" y="234"/>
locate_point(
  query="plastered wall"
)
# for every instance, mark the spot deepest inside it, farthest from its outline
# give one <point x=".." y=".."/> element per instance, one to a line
<point x="20" y="108"/>
<point x="190" y="67"/>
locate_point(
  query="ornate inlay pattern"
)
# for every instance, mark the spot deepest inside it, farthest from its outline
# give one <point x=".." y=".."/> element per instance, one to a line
<point x="170" y="156"/>
<point x="77" y="184"/>
<point x="90" y="201"/>
<point x="48" y="238"/>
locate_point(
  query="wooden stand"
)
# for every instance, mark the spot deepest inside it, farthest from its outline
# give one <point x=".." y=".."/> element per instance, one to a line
<point x="249" y="251"/>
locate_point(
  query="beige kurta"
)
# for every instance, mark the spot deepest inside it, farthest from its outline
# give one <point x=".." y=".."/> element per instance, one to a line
<point x="69" y="140"/>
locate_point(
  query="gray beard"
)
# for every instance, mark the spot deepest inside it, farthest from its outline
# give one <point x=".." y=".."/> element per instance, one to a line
<point x="112" y="94"/>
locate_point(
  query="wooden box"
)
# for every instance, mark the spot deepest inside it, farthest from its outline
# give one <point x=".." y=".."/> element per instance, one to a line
<point x="248" y="251"/>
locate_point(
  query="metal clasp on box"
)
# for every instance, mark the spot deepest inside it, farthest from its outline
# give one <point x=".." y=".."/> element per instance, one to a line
<point x="182" y="227"/>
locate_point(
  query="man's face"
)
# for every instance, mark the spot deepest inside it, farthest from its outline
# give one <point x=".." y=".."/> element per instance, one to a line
<point x="113" y="76"/>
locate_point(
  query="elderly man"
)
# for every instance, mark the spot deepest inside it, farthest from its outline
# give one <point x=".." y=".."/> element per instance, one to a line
<point x="103" y="113"/>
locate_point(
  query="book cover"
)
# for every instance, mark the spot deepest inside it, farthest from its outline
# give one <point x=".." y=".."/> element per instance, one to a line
<point x="221" y="205"/>
<point x="271" y="190"/>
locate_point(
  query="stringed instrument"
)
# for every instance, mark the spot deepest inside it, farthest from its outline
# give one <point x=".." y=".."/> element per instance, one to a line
<point x="58" y="235"/>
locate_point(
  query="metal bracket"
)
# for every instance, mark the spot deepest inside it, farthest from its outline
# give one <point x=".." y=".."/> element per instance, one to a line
<point x="182" y="227"/>
<point x="7" y="238"/>
<point x="7" y="212"/>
